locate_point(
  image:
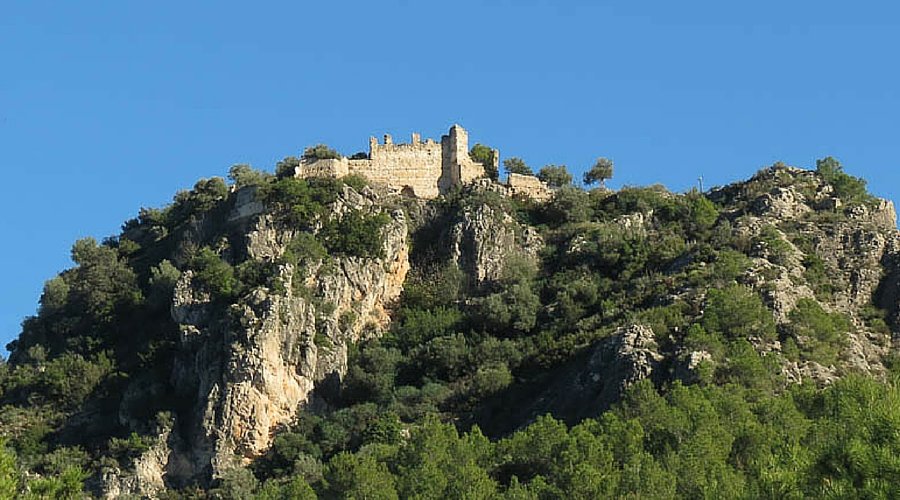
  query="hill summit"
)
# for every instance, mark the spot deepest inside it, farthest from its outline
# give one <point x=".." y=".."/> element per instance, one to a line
<point x="324" y="332"/>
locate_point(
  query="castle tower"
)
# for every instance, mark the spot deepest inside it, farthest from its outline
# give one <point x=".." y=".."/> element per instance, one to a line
<point x="459" y="142"/>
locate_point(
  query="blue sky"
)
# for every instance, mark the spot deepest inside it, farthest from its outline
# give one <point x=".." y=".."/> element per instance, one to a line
<point x="108" y="106"/>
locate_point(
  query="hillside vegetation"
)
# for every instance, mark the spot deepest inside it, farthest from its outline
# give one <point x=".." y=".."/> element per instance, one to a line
<point x="288" y="338"/>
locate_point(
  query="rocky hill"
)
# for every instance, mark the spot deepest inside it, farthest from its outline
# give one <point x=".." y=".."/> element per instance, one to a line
<point x="294" y="338"/>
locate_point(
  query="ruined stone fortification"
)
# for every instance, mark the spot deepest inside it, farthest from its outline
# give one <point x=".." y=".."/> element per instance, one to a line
<point x="530" y="186"/>
<point x="421" y="168"/>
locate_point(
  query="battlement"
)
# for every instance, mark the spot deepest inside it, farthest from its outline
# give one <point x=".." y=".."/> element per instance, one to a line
<point x="422" y="168"/>
<point x="388" y="145"/>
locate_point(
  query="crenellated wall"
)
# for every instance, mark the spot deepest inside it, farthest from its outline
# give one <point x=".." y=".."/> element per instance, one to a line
<point x="416" y="166"/>
<point x="423" y="168"/>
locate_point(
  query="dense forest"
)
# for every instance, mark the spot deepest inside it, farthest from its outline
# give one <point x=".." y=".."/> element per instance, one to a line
<point x="734" y="343"/>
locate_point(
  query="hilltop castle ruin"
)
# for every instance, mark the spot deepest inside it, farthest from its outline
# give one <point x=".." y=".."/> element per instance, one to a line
<point x="421" y="168"/>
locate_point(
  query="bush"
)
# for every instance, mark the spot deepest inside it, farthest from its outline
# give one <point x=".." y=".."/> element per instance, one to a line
<point x="848" y="188"/>
<point x="371" y="374"/>
<point x="163" y="278"/>
<point x="819" y="334"/>
<point x="736" y="312"/>
<point x="569" y="205"/>
<point x="729" y="266"/>
<point x="417" y="326"/>
<point x="127" y="449"/>
<point x="206" y="195"/>
<point x="304" y="248"/>
<point x="299" y="202"/>
<point x="214" y="274"/>
<point x="320" y="152"/>
<point x="287" y="167"/>
<point x="485" y="156"/>
<point x="704" y="213"/>
<point x="356" y="234"/>
<point x="776" y="249"/>
<point x="599" y="172"/>
<point x="555" y="175"/>
<point x="245" y="175"/>
<point x="514" y="310"/>
<point x="515" y="165"/>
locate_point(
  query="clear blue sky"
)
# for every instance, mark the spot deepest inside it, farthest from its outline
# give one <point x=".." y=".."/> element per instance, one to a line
<point x="108" y="106"/>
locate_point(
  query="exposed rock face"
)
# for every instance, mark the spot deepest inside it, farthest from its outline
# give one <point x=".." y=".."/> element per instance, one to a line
<point x="859" y="247"/>
<point x="591" y="383"/>
<point x="248" y="368"/>
<point x="629" y="355"/>
<point x="485" y="239"/>
<point x="150" y="469"/>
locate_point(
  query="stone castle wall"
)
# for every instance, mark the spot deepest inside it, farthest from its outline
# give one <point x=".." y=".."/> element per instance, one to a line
<point x="530" y="186"/>
<point x="422" y="168"/>
<point x="416" y="166"/>
<point x="324" y="168"/>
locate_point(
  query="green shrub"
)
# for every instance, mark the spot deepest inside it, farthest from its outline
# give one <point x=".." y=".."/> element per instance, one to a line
<point x="848" y="188"/>
<point x="206" y="195"/>
<point x="568" y="205"/>
<point x="417" y="326"/>
<point x="356" y="234"/>
<point x="244" y="175"/>
<point x="215" y="275"/>
<point x="515" y="165"/>
<point x="704" y="213"/>
<point x="513" y="310"/>
<point x="817" y="275"/>
<point x="371" y="375"/>
<point x="777" y="250"/>
<point x="287" y="167"/>
<point x="304" y="248"/>
<point x="736" y="312"/>
<point x="296" y="200"/>
<point x="555" y="175"/>
<point x="320" y="152"/>
<point x="820" y="335"/>
<point x="355" y="181"/>
<point x="729" y="266"/>
<point x="485" y="156"/>
<point x="163" y="278"/>
<point x="125" y="450"/>
<point x="490" y="379"/>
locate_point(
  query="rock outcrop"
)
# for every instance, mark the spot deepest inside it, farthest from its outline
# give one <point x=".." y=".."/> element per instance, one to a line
<point x="485" y="239"/>
<point x="245" y="368"/>
<point x="248" y="367"/>
<point x="800" y="223"/>
<point x="586" y="386"/>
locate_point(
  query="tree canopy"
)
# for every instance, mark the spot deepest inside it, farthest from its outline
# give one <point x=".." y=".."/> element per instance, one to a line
<point x="485" y="156"/>
<point x="601" y="171"/>
<point x="555" y="175"/>
<point x="516" y="165"/>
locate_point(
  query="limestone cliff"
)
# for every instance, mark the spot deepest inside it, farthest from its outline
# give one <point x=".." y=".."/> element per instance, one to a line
<point x="246" y="370"/>
<point x="485" y="239"/>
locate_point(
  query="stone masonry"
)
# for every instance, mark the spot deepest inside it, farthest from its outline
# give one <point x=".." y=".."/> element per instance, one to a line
<point x="530" y="186"/>
<point x="420" y="168"/>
